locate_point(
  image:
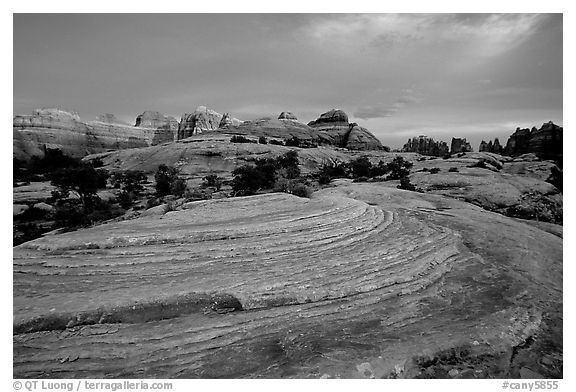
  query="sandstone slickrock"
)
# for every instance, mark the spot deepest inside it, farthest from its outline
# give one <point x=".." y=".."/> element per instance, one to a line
<point x="360" y="138"/>
<point x="426" y="146"/>
<point x="58" y="129"/>
<point x="545" y="142"/>
<point x="459" y="145"/>
<point x="351" y="283"/>
<point x="516" y="189"/>
<point x="334" y="128"/>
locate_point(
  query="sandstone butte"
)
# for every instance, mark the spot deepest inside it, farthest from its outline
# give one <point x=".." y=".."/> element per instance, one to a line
<point x="66" y="131"/>
<point x="361" y="280"/>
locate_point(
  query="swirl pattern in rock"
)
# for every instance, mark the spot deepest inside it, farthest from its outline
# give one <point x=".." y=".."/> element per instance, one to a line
<point x="262" y="286"/>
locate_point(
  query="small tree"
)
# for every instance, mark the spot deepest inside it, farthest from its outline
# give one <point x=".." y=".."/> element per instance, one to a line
<point x="360" y="167"/>
<point x="262" y="140"/>
<point x="290" y="162"/>
<point x="398" y="168"/>
<point x="164" y="177"/>
<point x="131" y="184"/>
<point x="83" y="180"/>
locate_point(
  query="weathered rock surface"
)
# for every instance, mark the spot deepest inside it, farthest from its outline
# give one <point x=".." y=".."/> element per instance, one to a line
<point x="334" y="128"/>
<point x="212" y="152"/>
<point x="226" y="121"/>
<point x="459" y="145"/>
<point x="152" y="119"/>
<point x="359" y="281"/>
<point x="57" y="129"/>
<point x="426" y="146"/>
<point x="512" y="188"/>
<point x="287" y="116"/>
<point x="202" y="120"/>
<point x="276" y="128"/>
<point x="495" y="147"/>
<point x="545" y="142"/>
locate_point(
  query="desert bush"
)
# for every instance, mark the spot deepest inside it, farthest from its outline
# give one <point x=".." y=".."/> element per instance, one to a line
<point x="262" y="140"/>
<point x="264" y="175"/>
<point x="194" y="194"/>
<point x="33" y="214"/>
<point x="294" y="141"/>
<point x="301" y="190"/>
<point x="250" y="179"/>
<point x="324" y="179"/>
<point x="240" y="139"/>
<point x="398" y="168"/>
<point x="125" y="199"/>
<point x="434" y="170"/>
<point x="360" y="167"/>
<point x="178" y="187"/>
<point x="69" y="215"/>
<point x="276" y="142"/>
<point x="453" y="170"/>
<point x="212" y="180"/>
<point x="406" y="184"/>
<point x="153" y="202"/>
<point x="555" y="177"/>
<point x="96" y="163"/>
<point x="480" y="164"/>
<point x="289" y="161"/>
<point x="334" y="169"/>
<point x="26" y="232"/>
<point x="130" y="181"/>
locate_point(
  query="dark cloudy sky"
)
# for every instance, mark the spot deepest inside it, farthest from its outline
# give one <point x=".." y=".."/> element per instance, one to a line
<point x="466" y="75"/>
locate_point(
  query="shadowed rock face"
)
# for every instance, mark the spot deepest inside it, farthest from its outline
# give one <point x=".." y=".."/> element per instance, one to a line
<point x="58" y="129"/>
<point x="333" y="128"/>
<point x="459" y="145"/>
<point x="287" y="116"/>
<point x="426" y="146"/>
<point x="545" y="142"/>
<point x="495" y="147"/>
<point x="151" y="119"/>
<point x="359" y="281"/>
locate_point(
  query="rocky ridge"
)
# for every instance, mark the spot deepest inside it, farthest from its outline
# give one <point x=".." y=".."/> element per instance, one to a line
<point x="58" y="129"/>
<point x="545" y="142"/>
<point x="495" y="147"/>
<point x="459" y="145"/>
<point x="426" y="146"/>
